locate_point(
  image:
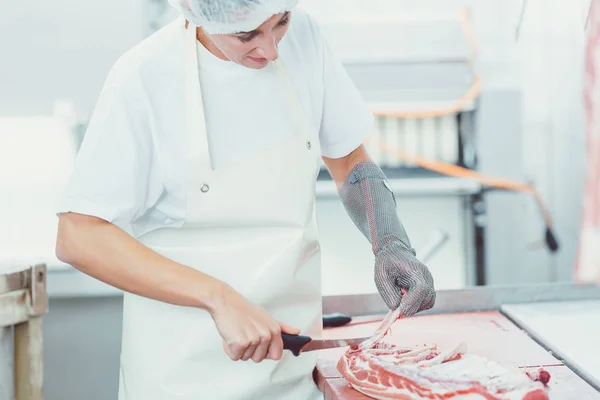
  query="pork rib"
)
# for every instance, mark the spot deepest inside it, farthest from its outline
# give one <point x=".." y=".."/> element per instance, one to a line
<point x="385" y="371"/>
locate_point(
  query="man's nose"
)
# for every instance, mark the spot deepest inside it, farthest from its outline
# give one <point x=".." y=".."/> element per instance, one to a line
<point x="268" y="48"/>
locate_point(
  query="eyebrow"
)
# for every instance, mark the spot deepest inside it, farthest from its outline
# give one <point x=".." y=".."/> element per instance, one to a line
<point x="252" y="34"/>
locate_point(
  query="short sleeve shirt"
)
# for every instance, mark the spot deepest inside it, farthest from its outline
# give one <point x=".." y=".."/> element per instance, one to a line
<point x="129" y="170"/>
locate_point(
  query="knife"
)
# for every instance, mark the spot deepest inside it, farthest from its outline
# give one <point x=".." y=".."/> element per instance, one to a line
<point x="298" y="343"/>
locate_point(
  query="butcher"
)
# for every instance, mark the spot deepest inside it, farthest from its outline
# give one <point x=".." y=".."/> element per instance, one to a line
<point x="194" y="193"/>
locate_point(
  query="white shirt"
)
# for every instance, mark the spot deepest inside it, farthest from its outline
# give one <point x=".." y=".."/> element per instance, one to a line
<point x="129" y="170"/>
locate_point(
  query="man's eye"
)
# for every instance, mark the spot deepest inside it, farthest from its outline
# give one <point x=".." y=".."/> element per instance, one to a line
<point x="284" y="21"/>
<point x="246" y="39"/>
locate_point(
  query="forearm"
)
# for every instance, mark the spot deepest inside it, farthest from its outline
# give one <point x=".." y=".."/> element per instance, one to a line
<point x="365" y="194"/>
<point x="340" y="168"/>
<point x="370" y="202"/>
<point x="103" y="251"/>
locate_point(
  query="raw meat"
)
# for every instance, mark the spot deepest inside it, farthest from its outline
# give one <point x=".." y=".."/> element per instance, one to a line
<point x="385" y="371"/>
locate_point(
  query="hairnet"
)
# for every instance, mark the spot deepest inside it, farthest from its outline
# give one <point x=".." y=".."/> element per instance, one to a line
<point x="230" y="16"/>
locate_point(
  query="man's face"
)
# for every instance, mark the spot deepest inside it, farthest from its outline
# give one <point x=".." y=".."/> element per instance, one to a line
<point x="256" y="48"/>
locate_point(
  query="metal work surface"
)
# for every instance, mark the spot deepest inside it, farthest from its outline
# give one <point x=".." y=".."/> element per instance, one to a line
<point x="570" y="329"/>
<point x="489" y="334"/>
<point x="479" y="298"/>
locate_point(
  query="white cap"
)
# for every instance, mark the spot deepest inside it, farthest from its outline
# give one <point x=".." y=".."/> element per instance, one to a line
<point x="230" y="16"/>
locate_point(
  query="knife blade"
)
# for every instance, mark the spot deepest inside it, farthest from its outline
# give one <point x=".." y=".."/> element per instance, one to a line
<point x="299" y="343"/>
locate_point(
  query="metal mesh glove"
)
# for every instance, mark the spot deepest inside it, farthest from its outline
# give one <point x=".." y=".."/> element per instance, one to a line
<point x="370" y="202"/>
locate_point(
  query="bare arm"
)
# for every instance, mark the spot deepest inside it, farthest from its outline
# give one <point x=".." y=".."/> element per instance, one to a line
<point x="339" y="168"/>
<point x="103" y="251"/>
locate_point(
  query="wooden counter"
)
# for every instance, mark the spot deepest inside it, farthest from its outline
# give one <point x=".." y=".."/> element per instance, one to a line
<point x="23" y="301"/>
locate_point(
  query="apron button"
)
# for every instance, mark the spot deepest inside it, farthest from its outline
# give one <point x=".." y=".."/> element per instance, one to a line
<point x="204" y="188"/>
<point x="308" y="144"/>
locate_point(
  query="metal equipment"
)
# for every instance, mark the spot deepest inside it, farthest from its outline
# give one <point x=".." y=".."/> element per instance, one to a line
<point x="23" y="301"/>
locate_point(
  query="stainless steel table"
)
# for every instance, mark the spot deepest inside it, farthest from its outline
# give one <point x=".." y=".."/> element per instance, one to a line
<point x="569" y="329"/>
<point x="563" y="318"/>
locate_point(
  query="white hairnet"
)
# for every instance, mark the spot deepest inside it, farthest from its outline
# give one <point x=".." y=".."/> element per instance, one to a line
<point x="230" y="16"/>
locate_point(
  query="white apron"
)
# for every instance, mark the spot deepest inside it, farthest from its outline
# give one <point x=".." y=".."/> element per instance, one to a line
<point x="252" y="225"/>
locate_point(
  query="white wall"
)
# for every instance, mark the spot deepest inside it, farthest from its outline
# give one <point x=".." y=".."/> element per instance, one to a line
<point x="61" y="48"/>
<point x="551" y="47"/>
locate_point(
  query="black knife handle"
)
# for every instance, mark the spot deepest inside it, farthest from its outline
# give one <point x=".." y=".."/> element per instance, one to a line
<point x="294" y="343"/>
<point x="334" y="320"/>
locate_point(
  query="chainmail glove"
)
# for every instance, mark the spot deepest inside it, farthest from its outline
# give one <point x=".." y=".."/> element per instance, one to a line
<point x="401" y="279"/>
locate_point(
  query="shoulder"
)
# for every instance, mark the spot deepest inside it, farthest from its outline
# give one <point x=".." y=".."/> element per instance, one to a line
<point x="154" y="56"/>
<point x="303" y="38"/>
<point x="304" y="26"/>
<point x="125" y="103"/>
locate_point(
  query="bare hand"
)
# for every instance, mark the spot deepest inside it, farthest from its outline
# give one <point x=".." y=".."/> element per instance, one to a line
<point x="248" y="331"/>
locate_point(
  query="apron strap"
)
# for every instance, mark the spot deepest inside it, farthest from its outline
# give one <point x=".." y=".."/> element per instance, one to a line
<point x="303" y="123"/>
<point x="197" y="138"/>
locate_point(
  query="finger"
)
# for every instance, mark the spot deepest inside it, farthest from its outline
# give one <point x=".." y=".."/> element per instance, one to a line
<point x="428" y="303"/>
<point x="390" y="292"/>
<point x="263" y="347"/>
<point x="232" y="351"/>
<point x="289" y="329"/>
<point x="252" y="344"/>
<point x="411" y="301"/>
<point x="275" y="351"/>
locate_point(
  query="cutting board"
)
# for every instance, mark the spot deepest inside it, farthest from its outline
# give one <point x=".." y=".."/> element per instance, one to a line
<point x="489" y="334"/>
